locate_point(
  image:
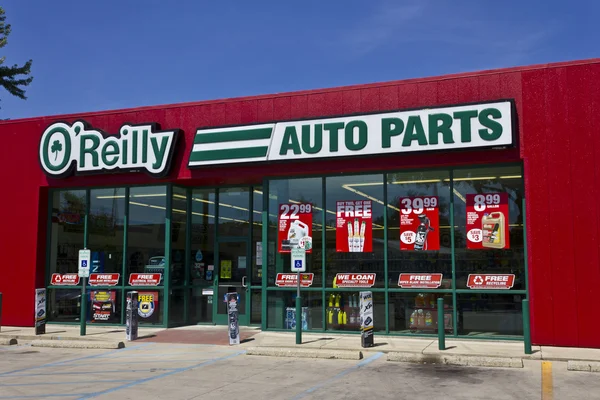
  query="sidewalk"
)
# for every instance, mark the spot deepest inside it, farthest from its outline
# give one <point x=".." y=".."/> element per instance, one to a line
<point x="255" y="338"/>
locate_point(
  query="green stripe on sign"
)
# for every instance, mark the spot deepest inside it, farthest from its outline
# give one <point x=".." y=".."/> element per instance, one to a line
<point x="229" y="154"/>
<point x="233" y="136"/>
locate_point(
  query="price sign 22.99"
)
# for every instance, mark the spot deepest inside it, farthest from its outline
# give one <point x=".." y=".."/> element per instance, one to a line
<point x="487" y="221"/>
<point x="295" y="226"/>
<point x="419" y="223"/>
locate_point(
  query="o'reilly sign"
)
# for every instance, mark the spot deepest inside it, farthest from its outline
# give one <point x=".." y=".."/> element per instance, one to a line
<point x="447" y="128"/>
<point x="66" y="149"/>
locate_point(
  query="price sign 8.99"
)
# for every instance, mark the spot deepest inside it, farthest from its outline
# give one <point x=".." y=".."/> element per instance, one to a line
<point x="419" y="223"/>
<point x="487" y="221"/>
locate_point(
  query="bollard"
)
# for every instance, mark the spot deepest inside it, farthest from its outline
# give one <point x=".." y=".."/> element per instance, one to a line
<point x="441" y="325"/>
<point x="526" y="330"/>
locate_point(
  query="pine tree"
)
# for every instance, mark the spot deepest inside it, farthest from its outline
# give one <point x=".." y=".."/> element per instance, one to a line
<point x="14" y="78"/>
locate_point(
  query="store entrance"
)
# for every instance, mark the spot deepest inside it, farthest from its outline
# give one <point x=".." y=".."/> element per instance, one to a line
<point x="232" y="264"/>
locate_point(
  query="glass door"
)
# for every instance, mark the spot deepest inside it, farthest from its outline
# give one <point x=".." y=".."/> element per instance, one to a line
<point x="233" y="265"/>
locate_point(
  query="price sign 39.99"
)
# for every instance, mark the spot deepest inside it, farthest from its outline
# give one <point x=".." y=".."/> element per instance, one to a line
<point x="295" y="226"/>
<point x="487" y="221"/>
<point x="419" y="223"/>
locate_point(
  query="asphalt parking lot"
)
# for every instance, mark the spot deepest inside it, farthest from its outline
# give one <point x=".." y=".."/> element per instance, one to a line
<point x="191" y="371"/>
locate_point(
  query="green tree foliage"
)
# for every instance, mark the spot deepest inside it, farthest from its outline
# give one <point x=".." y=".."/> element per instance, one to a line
<point x="14" y="78"/>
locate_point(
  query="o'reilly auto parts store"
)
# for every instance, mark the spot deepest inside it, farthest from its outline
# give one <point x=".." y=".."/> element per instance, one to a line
<point x="480" y="188"/>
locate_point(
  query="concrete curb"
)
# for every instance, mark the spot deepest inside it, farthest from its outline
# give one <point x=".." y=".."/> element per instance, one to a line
<point x="29" y="338"/>
<point x="77" y="344"/>
<point x="584" y="366"/>
<point x="472" y="361"/>
<point x="8" y="341"/>
<point x="304" y="353"/>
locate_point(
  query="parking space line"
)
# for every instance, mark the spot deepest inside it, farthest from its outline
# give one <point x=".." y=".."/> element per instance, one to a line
<point x="99" y="364"/>
<point x="39" y="396"/>
<point x="75" y="359"/>
<point x="66" y="383"/>
<point x="338" y="376"/>
<point x="94" y="372"/>
<point x="176" y="371"/>
<point x="547" y="385"/>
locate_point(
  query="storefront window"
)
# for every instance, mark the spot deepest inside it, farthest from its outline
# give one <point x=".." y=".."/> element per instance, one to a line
<point x="146" y="230"/>
<point x="178" y="236"/>
<point x="151" y="307"/>
<point x="283" y="194"/>
<point x="63" y="305"/>
<point x="355" y="224"/>
<point x="104" y="306"/>
<point x="418" y="313"/>
<point x="490" y="314"/>
<point x="67" y="230"/>
<point x="419" y="234"/>
<point x="234" y="215"/>
<point x="202" y="270"/>
<point x="257" y="256"/>
<point x="106" y="225"/>
<point x="343" y="311"/>
<point x="281" y="309"/>
<point x="486" y="200"/>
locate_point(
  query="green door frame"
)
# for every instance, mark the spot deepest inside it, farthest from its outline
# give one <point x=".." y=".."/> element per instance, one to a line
<point x="221" y="319"/>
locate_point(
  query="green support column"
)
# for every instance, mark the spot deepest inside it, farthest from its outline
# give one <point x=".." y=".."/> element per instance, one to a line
<point x="83" y="302"/>
<point x="525" y="303"/>
<point x="265" y="253"/>
<point x="124" y="272"/>
<point x="385" y="254"/>
<point x="323" y="254"/>
<point x="453" y="255"/>
<point x="167" y="277"/>
<point x="188" y="254"/>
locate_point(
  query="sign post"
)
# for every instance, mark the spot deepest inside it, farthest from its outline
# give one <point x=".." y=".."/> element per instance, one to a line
<point x="85" y="257"/>
<point x="298" y="265"/>
<point x="232" y="300"/>
<point x="40" y="311"/>
<point x="131" y="316"/>
<point x="366" y="319"/>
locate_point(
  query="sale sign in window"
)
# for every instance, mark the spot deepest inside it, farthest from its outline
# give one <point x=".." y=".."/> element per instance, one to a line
<point x="295" y="227"/>
<point x="354" y="226"/>
<point x="487" y="221"/>
<point x="419" y="223"/>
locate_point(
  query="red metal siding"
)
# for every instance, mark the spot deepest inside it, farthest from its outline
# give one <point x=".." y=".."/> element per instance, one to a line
<point x="558" y="110"/>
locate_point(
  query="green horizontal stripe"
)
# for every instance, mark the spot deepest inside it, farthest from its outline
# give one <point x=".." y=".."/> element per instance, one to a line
<point x="229" y="154"/>
<point x="233" y="136"/>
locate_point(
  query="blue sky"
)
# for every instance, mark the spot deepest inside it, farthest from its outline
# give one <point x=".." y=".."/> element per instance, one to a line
<point x="96" y="55"/>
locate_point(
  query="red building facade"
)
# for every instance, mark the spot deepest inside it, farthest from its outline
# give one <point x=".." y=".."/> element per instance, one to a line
<point x="556" y="109"/>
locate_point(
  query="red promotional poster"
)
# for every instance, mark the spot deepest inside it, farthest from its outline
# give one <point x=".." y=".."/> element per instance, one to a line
<point x="295" y="227"/>
<point x="491" y="281"/>
<point x="144" y="279"/>
<point x="419" y="223"/>
<point x="64" y="279"/>
<point x="148" y="306"/>
<point x="487" y="221"/>
<point x="354" y="280"/>
<point x="420" y="281"/>
<point x="291" y="280"/>
<point x="103" y="305"/>
<point x="354" y="226"/>
<point x="104" y="279"/>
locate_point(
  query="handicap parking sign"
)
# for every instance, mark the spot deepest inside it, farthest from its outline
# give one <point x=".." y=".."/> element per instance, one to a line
<point x="298" y="260"/>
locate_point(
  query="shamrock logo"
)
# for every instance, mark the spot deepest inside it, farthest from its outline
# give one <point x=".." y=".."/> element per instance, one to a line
<point x="56" y="148"/>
